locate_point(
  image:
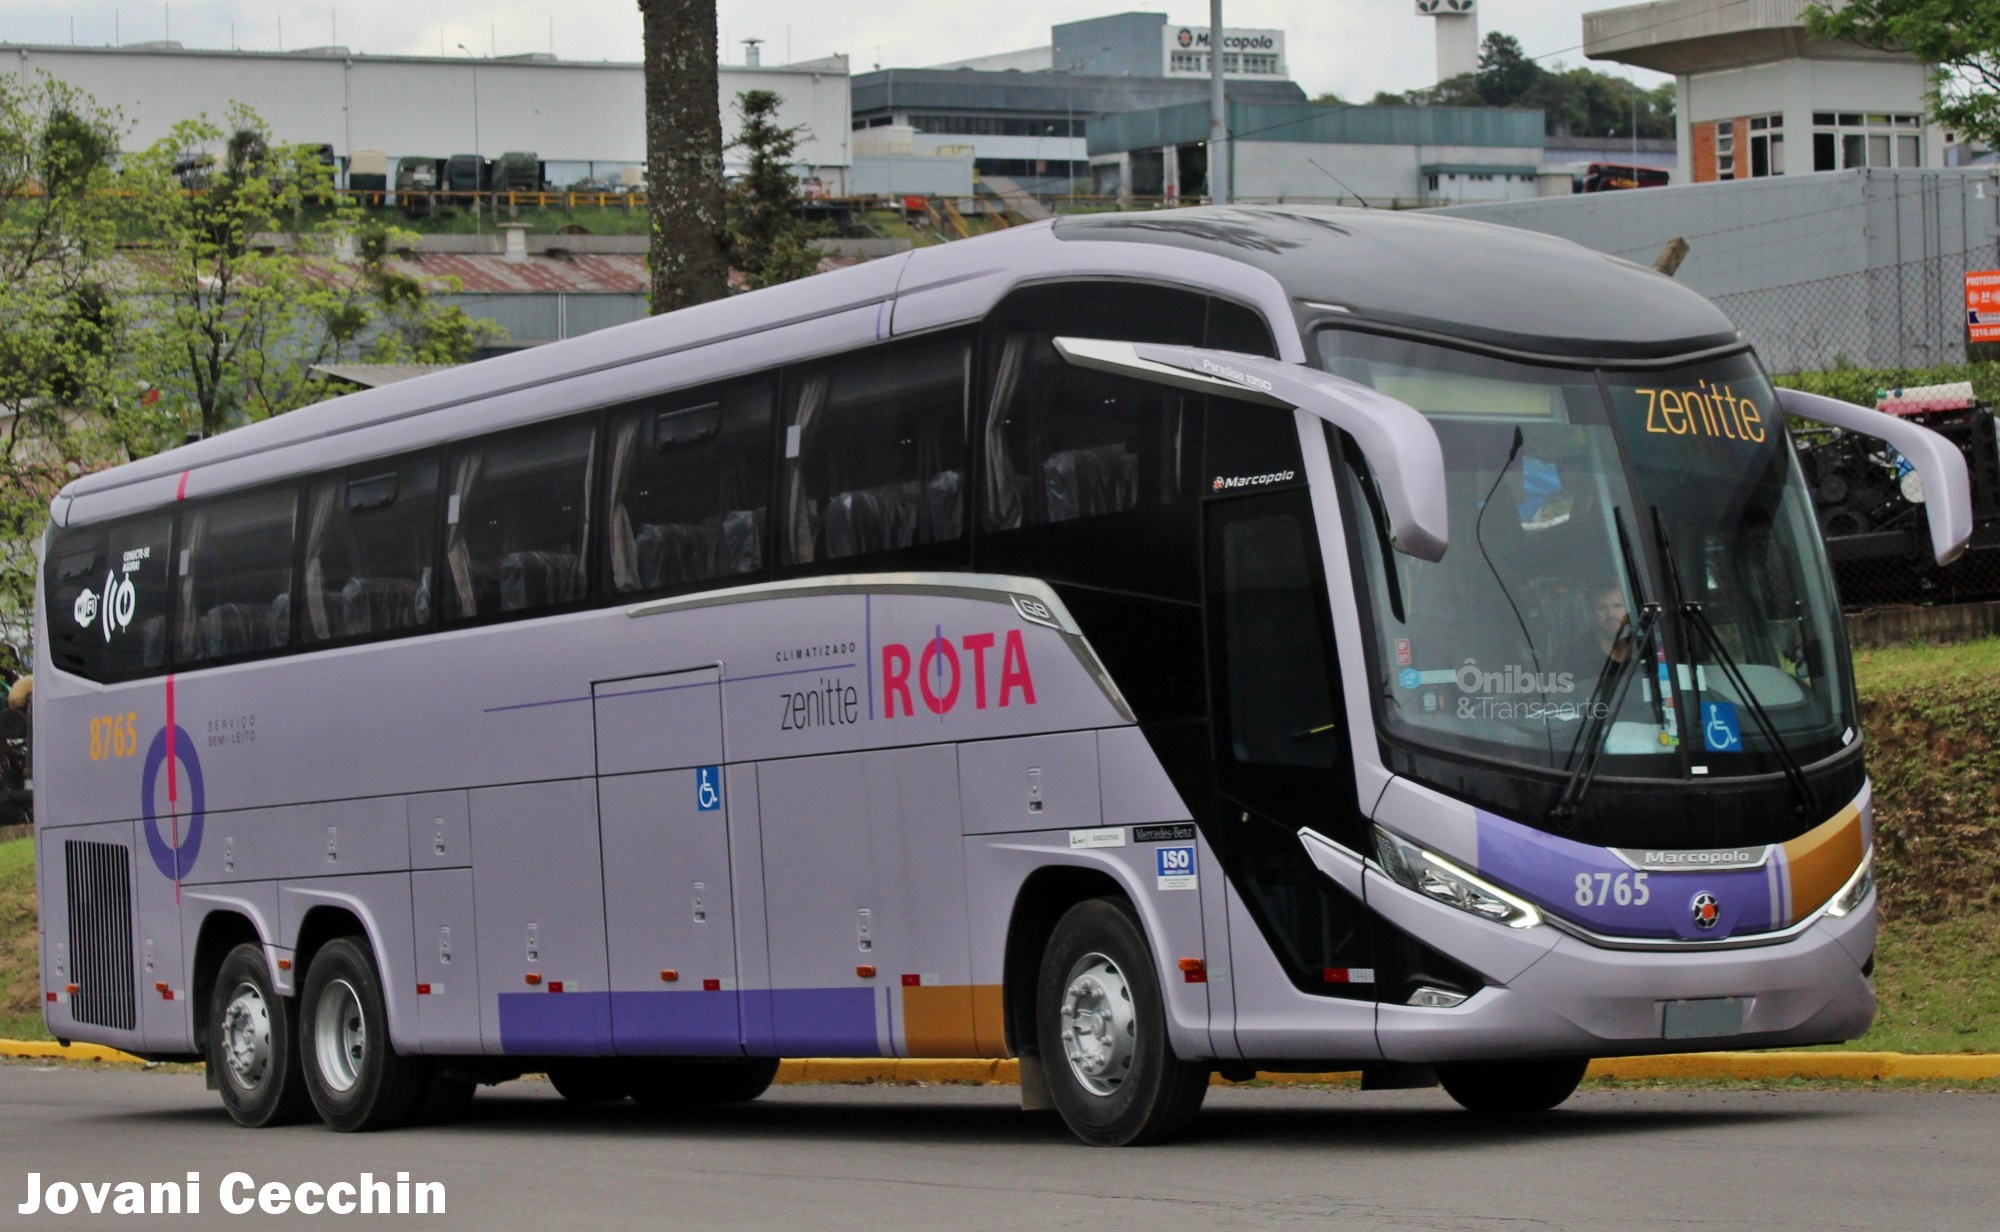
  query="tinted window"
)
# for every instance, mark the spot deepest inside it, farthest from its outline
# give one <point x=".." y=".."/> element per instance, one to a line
<point x="515" y="521"/>
<point x="108" y="595"/>
<point x="875" y="453"/>
<point x="1087" y="475"/>
<point x="1277" y="706"/>
<point x="370" y="538"/>
<point x="690" y="486"/>
<point x="234" y="578"/>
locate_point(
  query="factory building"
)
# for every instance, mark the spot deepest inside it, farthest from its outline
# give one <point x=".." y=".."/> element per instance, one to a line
<point x="585" y="120"/>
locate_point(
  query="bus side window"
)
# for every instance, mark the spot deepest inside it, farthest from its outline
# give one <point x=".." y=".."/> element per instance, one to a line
<point x="370" y="540"/>
<point x="233" y="577"/>
<point x="1109" y="460"/>
<point x="107" y="598"/>
<point x="690" y="487"/>
<point x="874" y="453"/>
<point x="516" y="521"/>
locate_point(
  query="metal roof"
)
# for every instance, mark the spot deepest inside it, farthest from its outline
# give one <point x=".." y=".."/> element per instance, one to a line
<point x="979" y="90"/>
<point x="1322" y="124"/>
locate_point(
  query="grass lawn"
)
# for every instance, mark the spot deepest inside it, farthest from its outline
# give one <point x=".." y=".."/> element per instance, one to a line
<point x="20" y="963"/>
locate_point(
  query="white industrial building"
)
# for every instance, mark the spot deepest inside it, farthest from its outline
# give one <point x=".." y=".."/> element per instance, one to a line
<point x="583" y="119"/>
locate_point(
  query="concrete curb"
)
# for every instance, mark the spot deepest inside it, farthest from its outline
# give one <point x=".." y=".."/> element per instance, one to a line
<point x="1699" y="1066"/>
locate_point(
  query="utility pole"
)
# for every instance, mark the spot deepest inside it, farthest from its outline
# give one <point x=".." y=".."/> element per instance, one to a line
<point x="1218" y="112"/>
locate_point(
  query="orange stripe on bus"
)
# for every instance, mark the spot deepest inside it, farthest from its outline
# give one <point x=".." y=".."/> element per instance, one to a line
<point x="1822" y="859"/>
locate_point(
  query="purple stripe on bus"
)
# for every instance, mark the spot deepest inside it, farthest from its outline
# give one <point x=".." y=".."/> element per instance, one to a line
<point x="567" y="1024"/>
<point x="818" y="1022"/>
<point x="796" y="671"/>
<point x="1545" y="869"/>
<point x="690" y="1023"/>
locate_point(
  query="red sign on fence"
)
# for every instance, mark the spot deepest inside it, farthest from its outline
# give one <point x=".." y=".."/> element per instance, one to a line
<point x="1982" y="306"/>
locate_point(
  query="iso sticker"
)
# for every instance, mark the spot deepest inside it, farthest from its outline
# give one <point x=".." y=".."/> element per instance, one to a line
<point x="1176" y="867"/>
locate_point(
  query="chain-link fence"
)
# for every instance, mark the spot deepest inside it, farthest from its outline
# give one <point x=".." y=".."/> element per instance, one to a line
<point x="1907" y="318"/>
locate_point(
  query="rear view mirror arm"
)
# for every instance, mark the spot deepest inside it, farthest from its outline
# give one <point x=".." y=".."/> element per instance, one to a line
<point x="1401" y="446"/>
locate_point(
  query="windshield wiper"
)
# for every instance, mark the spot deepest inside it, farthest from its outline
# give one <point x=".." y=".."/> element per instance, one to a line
<point x="1806" y="801"/>
<point x="1617" y="682"/>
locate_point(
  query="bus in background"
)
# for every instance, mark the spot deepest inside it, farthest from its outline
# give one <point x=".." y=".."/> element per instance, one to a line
<point x="1612" y="177"/>
<point x="1146" y="645"/>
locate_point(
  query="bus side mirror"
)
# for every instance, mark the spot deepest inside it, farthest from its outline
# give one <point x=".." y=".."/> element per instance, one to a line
<point x="1940" y="466"/>
<point x="1401" y="446"/>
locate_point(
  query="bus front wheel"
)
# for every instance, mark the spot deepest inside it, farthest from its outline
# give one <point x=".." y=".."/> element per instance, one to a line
<point x="1512" y="1088"/>
<point x="1101" y="1023"/>
<point x="357" y="1080"/>
<point x="253" y="1044"/>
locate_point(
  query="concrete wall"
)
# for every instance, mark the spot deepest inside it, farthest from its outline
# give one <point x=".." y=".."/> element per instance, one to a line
<point x="894" y="175"/>
<point x="1285" y="171"/>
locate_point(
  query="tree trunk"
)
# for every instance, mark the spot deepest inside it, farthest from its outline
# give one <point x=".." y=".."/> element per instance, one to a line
<point x="684" y="153"/>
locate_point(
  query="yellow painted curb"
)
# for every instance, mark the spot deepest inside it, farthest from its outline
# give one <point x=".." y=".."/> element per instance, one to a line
<point x="50" y="1051"/>
<point x="1699" y="1066"/>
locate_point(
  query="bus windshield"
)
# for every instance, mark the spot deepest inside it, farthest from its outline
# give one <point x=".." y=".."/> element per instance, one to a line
<point x="1579" y="499"/>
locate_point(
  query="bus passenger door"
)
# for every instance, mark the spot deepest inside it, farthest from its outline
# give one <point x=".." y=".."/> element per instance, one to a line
<point x="664" y="820"/>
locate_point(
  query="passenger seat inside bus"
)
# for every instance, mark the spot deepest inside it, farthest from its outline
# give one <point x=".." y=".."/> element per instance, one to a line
<point x="674" y="553"/>
<point x="539" y="579"/>
<point x="1084" y="483"/>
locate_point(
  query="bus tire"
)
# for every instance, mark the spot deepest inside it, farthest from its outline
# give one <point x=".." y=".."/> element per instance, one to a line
<point x="357" y="1080"/>
<point x="252" y="1045"/>
<point x="1512" y="1088"/>
<point x="668" y="1085"/>
<point x="591" y="1082"/>
<point x="1102" y="1026"/>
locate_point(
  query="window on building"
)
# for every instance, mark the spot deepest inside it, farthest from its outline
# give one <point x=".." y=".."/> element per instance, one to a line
<point x="690" y="480"/>
<point x="1725" y="149"/>
<point x="1767" y="146"/>
<point x="516" y="521"/>
<point x="1848" y="139"/>
<point x="234" y="577"/>
<point x="370" y="538"/>
<point x="875" y="453"/>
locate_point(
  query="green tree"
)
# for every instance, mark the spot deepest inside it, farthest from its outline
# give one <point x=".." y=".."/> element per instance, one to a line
<point x="767" y="239"/>
<point x="60" y="323"/>
<point x="1574" y="102"/>
<point x="251" y="271"/>
<point x="1507" y="77"/>
<point x="1960" y="39"/>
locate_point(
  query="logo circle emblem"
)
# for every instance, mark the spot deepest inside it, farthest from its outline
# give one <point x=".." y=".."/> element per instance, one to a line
<point x="173" y="853"/>
<point x="1185" y="38"/>
<point x="85" y="610"/>
<point x="1706" y="911"/>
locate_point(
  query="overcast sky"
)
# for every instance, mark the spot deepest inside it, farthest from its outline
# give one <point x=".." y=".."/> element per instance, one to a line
<point x="1351" y="47"/>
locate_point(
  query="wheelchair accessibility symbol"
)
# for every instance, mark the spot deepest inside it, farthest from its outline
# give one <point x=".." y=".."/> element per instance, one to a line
<point x="708" y="788"/>
<point x="1720" y="730"/>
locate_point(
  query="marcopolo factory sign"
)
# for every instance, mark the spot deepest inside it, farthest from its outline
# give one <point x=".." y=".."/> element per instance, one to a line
<point x="1267" y="45"/>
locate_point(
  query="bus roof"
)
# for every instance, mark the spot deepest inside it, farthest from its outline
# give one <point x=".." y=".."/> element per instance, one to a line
<point x="1500" y="286"/>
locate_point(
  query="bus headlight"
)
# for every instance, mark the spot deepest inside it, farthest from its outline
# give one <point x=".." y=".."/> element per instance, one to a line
<point x="1855" y="892"/>
<point x="1433" y="876"/>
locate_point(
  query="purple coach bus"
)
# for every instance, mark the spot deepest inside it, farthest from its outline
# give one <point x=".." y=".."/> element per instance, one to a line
<point x="1147" y="645"/>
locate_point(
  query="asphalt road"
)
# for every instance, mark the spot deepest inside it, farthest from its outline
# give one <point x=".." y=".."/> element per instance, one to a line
<point x="965" y="1159"/>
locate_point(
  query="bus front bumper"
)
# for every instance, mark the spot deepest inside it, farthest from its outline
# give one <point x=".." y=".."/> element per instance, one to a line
<point x="1552" y="993"/>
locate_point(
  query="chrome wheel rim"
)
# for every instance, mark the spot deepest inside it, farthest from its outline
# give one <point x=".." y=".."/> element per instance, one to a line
<point x="246" y="1037"/>
<point x="1100" y="1028"/>
<point x="340" y="1036"/>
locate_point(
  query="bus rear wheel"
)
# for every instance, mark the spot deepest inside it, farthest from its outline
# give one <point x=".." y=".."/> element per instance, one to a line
<point x="357" y="1080"/>
<point x="668" y="1085"/>
<point x="1101" y="1023"/>
<point x="1512" y="1088"/>
<point x="592" y="1081"/>
<point x="253" y="1044"/>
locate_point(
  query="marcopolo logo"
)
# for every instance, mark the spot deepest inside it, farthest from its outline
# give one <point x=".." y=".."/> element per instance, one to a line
<point x="939" y="669"/>
<point x="1224" y="483"/>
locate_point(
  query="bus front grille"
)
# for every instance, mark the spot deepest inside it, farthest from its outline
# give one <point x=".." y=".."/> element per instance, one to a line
<point x="100" y="934"/>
